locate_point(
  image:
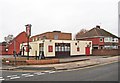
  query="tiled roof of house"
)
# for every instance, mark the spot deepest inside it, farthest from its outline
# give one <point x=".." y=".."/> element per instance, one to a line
<point x="96" y="32"/>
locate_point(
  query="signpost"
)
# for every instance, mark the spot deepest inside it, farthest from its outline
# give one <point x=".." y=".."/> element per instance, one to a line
<point x="28" y="32"/>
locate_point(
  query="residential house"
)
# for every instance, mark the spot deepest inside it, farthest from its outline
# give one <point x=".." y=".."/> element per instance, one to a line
<point x="101" y="39"/>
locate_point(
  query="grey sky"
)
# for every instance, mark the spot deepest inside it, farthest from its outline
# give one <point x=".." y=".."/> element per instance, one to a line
<point x="65" y="15"/>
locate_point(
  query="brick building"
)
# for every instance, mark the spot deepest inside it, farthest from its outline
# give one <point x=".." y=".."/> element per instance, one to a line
<point x="7" y="49"/>
<point x="55" y="35"/>
<point x="103" y="42"/>
<point x="100" y="38"/>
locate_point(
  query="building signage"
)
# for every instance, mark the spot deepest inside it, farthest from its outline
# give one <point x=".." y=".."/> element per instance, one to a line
<point x="28" y="29"/>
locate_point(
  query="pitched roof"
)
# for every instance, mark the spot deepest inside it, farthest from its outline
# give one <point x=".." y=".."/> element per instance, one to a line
<point x="96" y="32"/>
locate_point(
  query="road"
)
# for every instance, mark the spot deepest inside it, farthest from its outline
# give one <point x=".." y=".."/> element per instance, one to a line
<point x="107" y="72"/>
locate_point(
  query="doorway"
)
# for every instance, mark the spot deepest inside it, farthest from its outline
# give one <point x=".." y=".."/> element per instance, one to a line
<point x="87" y="50"/>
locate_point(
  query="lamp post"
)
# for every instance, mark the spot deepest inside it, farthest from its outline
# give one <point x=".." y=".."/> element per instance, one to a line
<point x="28" y="32"/>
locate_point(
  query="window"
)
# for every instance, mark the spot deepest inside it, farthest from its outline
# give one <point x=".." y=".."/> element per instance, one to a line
<point x="56" y="37"/>
<point x="44" y="37"/>
<point x="68" y="48"/>
<point x="101" y="39"/>
<point x="63" y="48"/>
<point x="56" y="48"/>
<point x="50" y="48"/>
<point x="33" y="39"/>
<point x="95" y="47"/>
<point x="37" y="38"/>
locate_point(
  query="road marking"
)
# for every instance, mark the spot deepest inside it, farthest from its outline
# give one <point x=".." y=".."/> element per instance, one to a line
<point x="25" y="74"/>
<point x="29" y="75"/>
<point x="46" y="71"/>
<point x="2" y="79"/>
<point x="52" y="71"/>
<point x="39" y="73"/>
<point x="14" y="77"/>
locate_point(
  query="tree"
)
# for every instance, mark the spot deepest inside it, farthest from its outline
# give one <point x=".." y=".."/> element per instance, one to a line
<point x="82" y="31"/>
<point x="9" y="38"/>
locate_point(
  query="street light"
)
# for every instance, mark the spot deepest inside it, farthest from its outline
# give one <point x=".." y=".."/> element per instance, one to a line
<point x="28" y="32"/>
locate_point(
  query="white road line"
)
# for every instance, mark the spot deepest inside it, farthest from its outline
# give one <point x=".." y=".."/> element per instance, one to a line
<point x="49" y="71"/>
<point x="15" y="77"/>
<point x="2" y="79"/>
<point x="29" y="75"/>
<point x="46" y="71"/>
<point x="12" y="76"/>
<point x="25" y="74"/>
<point x="39" y="73"/>
<point x="52" y="71"/>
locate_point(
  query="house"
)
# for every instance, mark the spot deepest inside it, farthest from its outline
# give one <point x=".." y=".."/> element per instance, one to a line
<point x="101" y="39"/>
<point x="57" y="48"/>
<point x="103" y="42"/>
<point x="55" y="35"/>
<point x="14" y="45"/>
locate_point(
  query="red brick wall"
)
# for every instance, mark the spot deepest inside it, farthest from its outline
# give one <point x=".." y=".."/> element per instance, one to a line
<point x="18" y="40"/>
<point x="95" y="41"/>
<point x="105" y="52"/>
<point x="50" y="35"/>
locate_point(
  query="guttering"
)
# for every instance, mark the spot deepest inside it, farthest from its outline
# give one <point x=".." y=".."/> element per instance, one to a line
<point x="90" y="37"/>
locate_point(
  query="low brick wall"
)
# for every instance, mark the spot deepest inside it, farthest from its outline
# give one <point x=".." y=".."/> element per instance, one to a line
<point x="29" y="62"/>
<point x="106" y="52"/>
<point x="41" y="62"/>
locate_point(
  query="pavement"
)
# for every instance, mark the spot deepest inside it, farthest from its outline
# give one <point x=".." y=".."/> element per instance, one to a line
<point x="67" y="63"/>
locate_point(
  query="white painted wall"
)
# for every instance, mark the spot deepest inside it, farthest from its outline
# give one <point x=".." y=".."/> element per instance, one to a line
<point x="81" y="45"/>
<point x="73" y="47"/>
<point x="46" y="44"/>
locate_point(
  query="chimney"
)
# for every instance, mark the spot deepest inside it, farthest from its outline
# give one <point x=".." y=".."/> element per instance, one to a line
<point x="97" y="26"/>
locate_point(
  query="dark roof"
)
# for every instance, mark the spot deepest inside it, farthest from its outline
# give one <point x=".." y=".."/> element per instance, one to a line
<point x="96" y="32"/>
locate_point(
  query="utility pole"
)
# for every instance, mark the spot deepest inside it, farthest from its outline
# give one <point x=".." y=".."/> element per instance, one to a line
<point x="28" y="32"/>
<point x="14" y="52"/>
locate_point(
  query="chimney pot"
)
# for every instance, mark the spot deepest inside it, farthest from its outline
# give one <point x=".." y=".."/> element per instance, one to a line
<point x="97" y="26"/>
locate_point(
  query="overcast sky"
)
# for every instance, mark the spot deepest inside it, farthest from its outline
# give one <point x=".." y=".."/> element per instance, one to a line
<point x="64" y="15"/>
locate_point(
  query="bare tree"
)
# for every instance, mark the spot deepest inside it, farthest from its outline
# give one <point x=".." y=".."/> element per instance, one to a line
<point x="82" y="31"/>
<point x="8" y="38"/>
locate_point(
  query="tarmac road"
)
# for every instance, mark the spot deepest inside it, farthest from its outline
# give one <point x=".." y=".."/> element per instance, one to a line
<point x="108" y="72"/>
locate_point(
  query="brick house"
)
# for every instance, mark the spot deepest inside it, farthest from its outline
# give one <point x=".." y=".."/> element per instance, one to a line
<point x="102" y="40"/>
<point x="55" y="35"/>
<point x="7" y="49"/>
